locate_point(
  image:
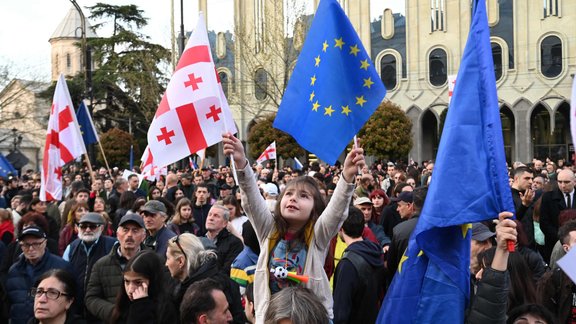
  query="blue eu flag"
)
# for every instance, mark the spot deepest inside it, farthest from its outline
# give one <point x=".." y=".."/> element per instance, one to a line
<point x="334" y="88"/>
<point x="432" y="281"/>
<point x="86" y="125"/>
<point x="6" y="168"/>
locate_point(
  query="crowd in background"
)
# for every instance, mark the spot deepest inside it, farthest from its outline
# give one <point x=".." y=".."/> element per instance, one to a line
<point x="122" y="249"/>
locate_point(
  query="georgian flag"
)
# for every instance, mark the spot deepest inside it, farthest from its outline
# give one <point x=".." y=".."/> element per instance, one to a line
<point x="149" y="170"/>
<point x="268" y="154"/>
<point x="64" y="142"/>
<point x="193" y="113"/>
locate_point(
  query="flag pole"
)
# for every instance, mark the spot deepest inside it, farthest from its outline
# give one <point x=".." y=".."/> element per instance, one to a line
<point x="90" y="167"/>
<point x="356" y="146"/>
<point x="105" y="160"/>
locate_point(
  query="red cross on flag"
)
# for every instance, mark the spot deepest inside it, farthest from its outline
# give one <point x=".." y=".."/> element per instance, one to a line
<point x="64" y="142"/>
<point x="193" y="113"/>
<point x="268" y="154"/>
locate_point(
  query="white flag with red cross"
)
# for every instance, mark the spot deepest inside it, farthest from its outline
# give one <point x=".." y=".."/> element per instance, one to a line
<point x="193" y="113"/>
<point x="149" y="170"/>
<point x="268" y="154"/>
<point x="64" y="142"/>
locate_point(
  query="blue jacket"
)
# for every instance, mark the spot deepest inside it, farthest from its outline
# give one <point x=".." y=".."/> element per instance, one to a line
<point x="21" y="277"/>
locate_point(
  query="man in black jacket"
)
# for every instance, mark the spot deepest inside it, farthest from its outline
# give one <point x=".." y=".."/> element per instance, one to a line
<point x="106" y="278"/>
<point x="552" y="203"/>
<point x="228" y="246"/>
<point x="358" y="279"/>
<point x="523" y="196"/>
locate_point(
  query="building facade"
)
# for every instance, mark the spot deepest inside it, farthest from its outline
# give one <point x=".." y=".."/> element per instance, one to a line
<point x="417" y="52"/>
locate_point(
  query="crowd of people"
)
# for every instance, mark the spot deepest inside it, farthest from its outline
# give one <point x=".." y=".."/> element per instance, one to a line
<point x="318" y="245"/>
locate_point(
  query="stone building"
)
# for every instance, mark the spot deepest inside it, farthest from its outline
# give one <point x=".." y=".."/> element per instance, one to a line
<point x="417" y="52"/>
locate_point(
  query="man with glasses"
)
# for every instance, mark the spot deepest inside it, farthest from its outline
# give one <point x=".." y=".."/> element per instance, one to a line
<point x="106" y="278"/>
<point x="552" y="203"/>
<point x="23" y="274"/>
<point x="88" y="248"/>
<point x="154" y="215"/>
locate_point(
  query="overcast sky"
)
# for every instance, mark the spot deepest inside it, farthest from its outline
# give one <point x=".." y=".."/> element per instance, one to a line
<point x="26" y="26"/>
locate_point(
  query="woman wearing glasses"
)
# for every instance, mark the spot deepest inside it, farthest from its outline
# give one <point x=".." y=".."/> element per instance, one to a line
<point x="143" y="299"/>
<point x="188" y="262"/>
<point x="54" y="294"/>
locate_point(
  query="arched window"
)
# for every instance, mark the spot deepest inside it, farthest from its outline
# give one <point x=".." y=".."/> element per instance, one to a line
<point x="260" y="84"/>
<point x="551" y="56"/>
<point x="437" y="66"/>
<point x="224" y="82"/>
<point x="388" y="71"/>
<point x="497" y="58"/>
<point x="68" y="62"/>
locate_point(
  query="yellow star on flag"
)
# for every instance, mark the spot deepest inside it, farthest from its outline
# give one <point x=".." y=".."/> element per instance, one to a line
<point x="315" y="106"/>
<point x="328" y="111"/>
<point x="368" y="82"/>
<point x="313" y="80"/>
<point x="465" y="228"/>
<point x="354" y="50"/>
<point x="346" y="110"/>
<point x="360" y="101"/>
<point x="402" y="260"/>
<point x="324" y="46"/>
<point x="317" y="59"/>
<point x="312" y="95"/>
<point x="339" y="42"/>
<point x="364" y="64"/>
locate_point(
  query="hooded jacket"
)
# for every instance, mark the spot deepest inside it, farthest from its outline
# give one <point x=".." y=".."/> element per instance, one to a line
<point x="358" y="283"/>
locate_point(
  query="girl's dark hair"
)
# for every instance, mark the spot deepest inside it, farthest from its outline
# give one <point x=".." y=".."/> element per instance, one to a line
<point x="231" y="200"/>
<point x="250" y="238"/>
<point x="319" y="205"/>
<point x="66" y="278"/>
<point x="127" y="199"/>
<point x="532" y="309"/>
<point x="139" y="202"/>
<point x="522" y="286"/>
<point x="151" y="189"/>
<point x="148" y="264"/>
<point x="35" y="217"/>
<point x="398" y="188"/>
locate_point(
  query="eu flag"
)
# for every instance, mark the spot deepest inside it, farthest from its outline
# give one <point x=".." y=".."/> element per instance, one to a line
<point x="334" y="88"/>
<point x="6" y="168"/>
<point x="469" y="184"/>
<point x="86" y="125"/>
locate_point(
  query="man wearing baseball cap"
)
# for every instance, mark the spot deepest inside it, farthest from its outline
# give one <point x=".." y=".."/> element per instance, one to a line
<point x="89" y="247"/>
<point x="23" y="274"/>
<point x="106" y="278"/>
<point x="409" y="206"/>
<point x="154" y="215"/>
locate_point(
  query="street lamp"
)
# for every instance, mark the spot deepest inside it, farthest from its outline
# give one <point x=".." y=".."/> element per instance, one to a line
<point x="17" y="139"/>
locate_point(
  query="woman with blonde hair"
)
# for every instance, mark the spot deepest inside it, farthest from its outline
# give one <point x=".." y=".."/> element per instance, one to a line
<point x="189" y="261"/>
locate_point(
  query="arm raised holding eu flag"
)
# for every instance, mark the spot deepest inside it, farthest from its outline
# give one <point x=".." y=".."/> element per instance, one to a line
<point x="293" y="239"/>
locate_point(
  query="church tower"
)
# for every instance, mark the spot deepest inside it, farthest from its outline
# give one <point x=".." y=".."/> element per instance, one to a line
<point x="66" y="53"/>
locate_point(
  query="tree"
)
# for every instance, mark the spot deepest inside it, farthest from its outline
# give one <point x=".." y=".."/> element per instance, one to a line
<point x="116" y="145"/>
<point x="265" y="54"/>
<point x="262" y="134"/>
<point x="387" y="134"/>
<point x="128" y="80"/>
